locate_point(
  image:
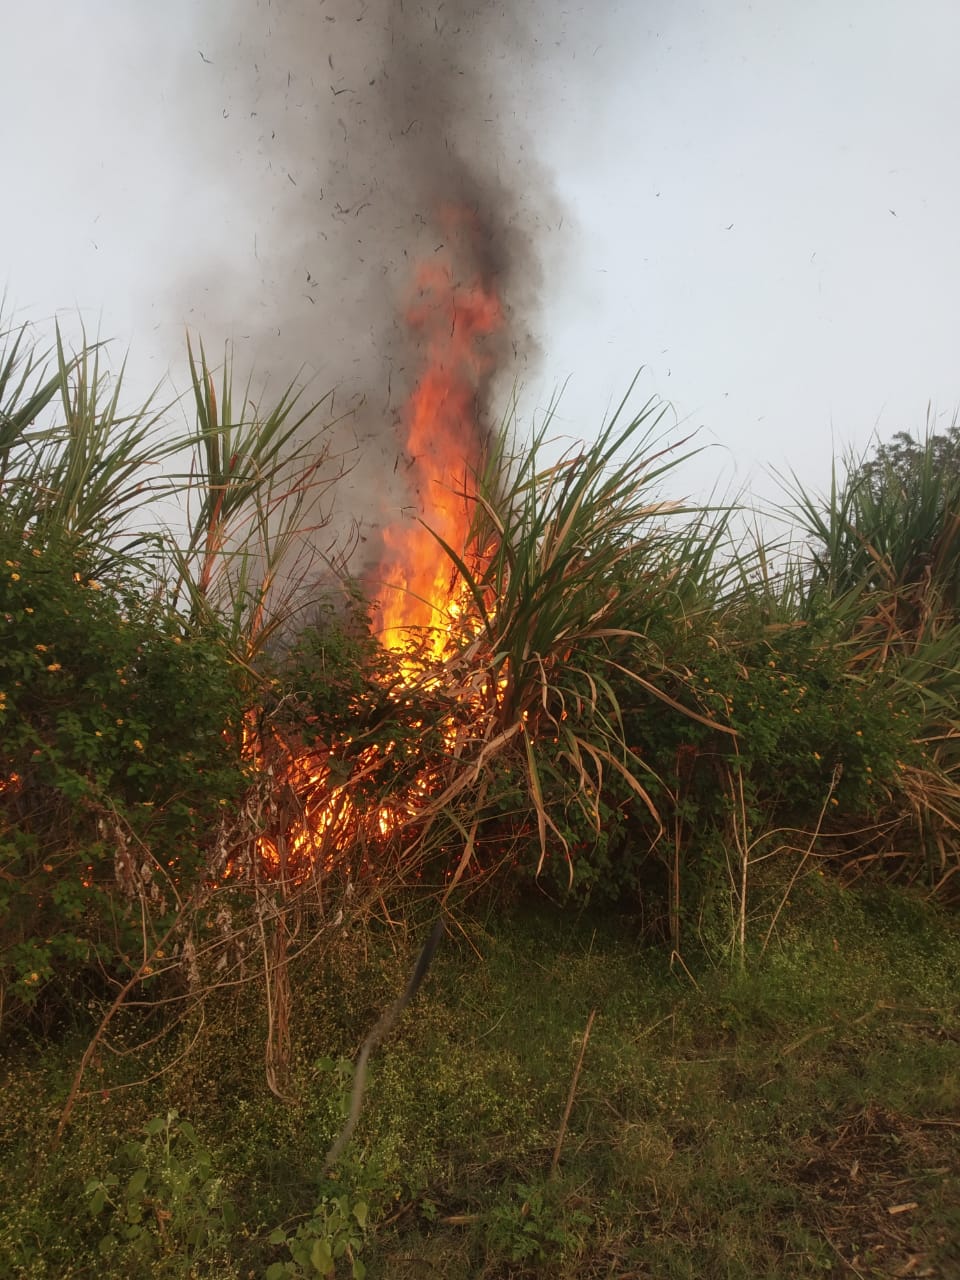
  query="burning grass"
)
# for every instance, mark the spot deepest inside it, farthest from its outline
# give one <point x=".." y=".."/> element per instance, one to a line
<point x="543" y="612"/>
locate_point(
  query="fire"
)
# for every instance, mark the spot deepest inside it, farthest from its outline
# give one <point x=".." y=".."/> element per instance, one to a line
<point x="455" y="316"/>
<point x="328" y="819"/>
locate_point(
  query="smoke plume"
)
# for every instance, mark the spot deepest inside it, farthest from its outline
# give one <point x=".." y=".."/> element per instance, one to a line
<point x="347" y="130"/>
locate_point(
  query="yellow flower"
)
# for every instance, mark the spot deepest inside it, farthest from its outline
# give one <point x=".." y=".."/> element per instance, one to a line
<point x="15" y="577"/>
<point x="33" y="977"/>
<point x="40" y="648"/>
<point x="94" y="585"/>
<point x="53" y="666"/>
<point x="817" y="756"/>
<point x="28" y="611"/>
<point x="138" y="744"/>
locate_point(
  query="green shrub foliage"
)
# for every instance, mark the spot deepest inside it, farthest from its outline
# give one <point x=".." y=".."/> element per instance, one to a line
<point x="119" y="750"/>
<point x="816" y="742"/>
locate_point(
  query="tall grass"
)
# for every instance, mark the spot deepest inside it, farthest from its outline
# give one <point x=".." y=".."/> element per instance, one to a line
<point x="254" y="505"/>
<point x="885" y="563"/>
<point x="76" y="471"/>
<point x="572" y="559"/>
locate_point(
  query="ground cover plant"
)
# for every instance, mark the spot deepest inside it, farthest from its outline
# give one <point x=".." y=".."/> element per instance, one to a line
<point x="797" y="1119"/>
<point x="228" y="813"/>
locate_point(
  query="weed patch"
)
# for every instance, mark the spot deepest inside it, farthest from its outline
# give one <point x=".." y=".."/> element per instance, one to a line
<point x="796" y="1117"/>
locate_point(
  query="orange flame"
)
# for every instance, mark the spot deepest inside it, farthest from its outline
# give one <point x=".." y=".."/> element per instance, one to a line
<point x="456" y="319"/>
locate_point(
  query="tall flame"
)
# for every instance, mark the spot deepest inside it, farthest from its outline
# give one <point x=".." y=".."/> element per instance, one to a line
<point x="455" y="319"/>
<point x="456" y="316"/>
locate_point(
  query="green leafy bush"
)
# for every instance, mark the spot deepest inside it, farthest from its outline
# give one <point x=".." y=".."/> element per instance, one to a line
<point x="119" y="750"/>
<point x="536" y="1224"/>
<point x="335" y="1230"/>
<point x="814" y="738"/>
<point x="163" y="1201"/>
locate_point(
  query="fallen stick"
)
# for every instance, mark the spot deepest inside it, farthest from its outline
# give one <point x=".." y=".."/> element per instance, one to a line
<point x="571" y="1095"/>
<point x="383" y="1027"/>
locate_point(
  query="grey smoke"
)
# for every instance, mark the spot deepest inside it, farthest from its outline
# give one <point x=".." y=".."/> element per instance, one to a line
<point x="343" y="127"/>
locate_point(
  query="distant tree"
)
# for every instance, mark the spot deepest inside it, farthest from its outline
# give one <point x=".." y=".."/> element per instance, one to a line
<point x="903" y="461"/>
<point x="892" y="524"/>
<point x="896" y="524"/>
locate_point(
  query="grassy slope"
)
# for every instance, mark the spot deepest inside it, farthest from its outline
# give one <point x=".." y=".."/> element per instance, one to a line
<point x="754" y="1125"/>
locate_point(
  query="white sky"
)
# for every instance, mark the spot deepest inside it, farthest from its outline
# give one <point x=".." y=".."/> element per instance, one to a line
<point x="761" y="206"/>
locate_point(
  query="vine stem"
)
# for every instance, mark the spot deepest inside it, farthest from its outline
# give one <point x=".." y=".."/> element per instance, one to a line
<point x="137" y="976"/>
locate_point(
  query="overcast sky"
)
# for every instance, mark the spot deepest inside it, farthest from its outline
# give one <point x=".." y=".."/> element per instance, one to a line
<point x="755" y="201"/>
